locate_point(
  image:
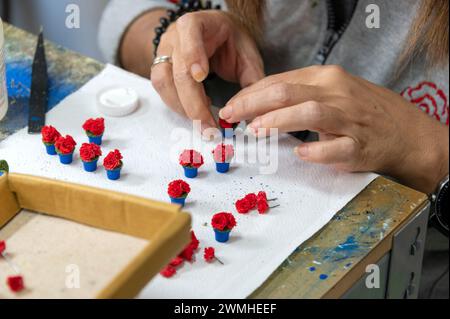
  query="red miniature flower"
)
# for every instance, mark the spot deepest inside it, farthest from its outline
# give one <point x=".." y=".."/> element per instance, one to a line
<point x="168" y="271"/>
<point x="262" y="196"/>
<point x="243" y="206"/>
<point x="94" y="127"/>
<point x="90" y="152"/>
<point x="15" y="283"/>
<point x="191" y="158"/>
<point x="65" y="145"/>
<point x="188" y="251"/>
<point x="49" y="135"/>
<point x="177" y="261"/>
<point x="113" y="160"/>
<point x="2" y="246"/>
<point x="263" y="207"/>
<point x="209" y="254"/>
<point x="223" y="153"/>
<point x="252" y="199"/>
<point x="223" y="221"/>
<point x="178" y="189"/>
<point x="224" y="124"/>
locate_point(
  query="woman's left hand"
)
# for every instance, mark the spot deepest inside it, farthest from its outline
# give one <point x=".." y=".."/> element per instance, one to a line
<point x="362" y="126"/>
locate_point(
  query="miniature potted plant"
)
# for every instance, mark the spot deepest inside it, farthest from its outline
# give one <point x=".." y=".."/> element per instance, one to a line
<point x="222" y="224"/>
<point x="227" y="128"/>
<point x="178" y="191"/>
<point x="4" y="167"/>
<point x="49" y="137"/>
<point x="191" y="161"/>
<point x="113" y="165"/>
<point x="95" y="129"/>
<point x="223" y="154"/>
<point x="65" y="146"/>
<point x="90" y="153"/>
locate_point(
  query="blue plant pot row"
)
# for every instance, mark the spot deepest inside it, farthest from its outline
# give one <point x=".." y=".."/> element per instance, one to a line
<point x="96" y="139"/>
<point x="193" y="172"/>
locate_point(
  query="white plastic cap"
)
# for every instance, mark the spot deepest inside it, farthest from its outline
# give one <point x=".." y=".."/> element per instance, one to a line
<point x="117" y="101"/>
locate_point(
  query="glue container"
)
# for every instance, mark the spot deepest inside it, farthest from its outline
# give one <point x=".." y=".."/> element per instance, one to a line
<point x="3" y="91"/>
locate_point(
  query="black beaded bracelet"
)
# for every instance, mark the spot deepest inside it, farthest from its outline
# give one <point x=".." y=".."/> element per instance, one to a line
<point x="173" y="15"/>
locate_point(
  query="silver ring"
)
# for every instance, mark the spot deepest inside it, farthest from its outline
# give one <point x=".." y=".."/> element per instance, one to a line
<point x="162" y="59"/>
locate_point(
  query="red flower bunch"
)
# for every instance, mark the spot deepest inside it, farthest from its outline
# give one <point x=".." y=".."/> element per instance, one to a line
<point x="223" y="153"/>
<point x="209" y="254"/>
<point x="65" y="145"/>
<point x="186" y="255"/>
<point x="113" y="160"/>
<point x="2" y="246"/>
<point x="94" y="127"/>
<point x="90" y="152"/>
<point x="252" y="201"/>
<point x="49" y="135"/>
<point x="178" y="189"/>
<point x="15" y="283"/>
<point x="223" y="221"/>
<point x="224" y="124"/>
<point x="191" y="158"/>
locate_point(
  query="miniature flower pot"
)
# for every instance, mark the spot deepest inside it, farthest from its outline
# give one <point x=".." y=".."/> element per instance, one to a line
<point x="190" y="172"/>
<point x="228" y="133"/>
<point x="66" y="159"/>
<point x="180" y="201"/>
<point x="1" y="173"/>
<point x="96" y="139"/>
<point x="50" y="148"/>
<point x="90" y="166"/>
<point x="222" y="167"/>
<point x="222" y="236"/>
<point x="113" y="175"/>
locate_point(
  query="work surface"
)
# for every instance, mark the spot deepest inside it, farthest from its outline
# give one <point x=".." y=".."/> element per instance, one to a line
<point x="324" y="266"/>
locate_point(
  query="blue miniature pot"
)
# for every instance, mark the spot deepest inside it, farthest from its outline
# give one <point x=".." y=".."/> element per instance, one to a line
<point x="222" y="167"/>
<point x="222" y="236"/>
<point x="228" y="133"/>
<point x="190" y="172"/>
<point x="1" y="173"/>
<point x="90" y="166"/>
<point x="180" y="201"/>
<point x="113" y="175"/>
<point x="66" y="159"/>
<point x="50" y="148"/>
<point x="96" y="139"/>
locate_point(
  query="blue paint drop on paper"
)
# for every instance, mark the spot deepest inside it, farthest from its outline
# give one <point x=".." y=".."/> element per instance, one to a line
<point x="312" y="269"/>
<point x="323" y="277"/>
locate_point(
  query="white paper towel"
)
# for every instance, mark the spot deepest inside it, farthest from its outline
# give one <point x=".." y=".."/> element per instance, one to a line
<point x="309" y="194"/>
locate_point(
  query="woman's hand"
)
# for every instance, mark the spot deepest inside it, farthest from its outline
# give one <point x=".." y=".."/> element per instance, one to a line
<point x="200" y="43"/>
<point x="362" y="126"/>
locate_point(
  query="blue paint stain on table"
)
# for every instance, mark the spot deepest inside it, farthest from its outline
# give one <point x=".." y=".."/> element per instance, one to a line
<point x="323" y="276"/>
<point x="18" y="79"/>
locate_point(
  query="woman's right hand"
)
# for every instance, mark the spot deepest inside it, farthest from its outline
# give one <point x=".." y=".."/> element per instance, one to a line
<point x="200" y="43"/>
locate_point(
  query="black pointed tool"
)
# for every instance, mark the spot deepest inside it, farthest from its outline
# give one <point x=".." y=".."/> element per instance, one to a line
<point x="39" y="89"/>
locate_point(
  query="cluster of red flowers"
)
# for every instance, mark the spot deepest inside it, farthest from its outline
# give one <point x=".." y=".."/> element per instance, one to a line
<point x="178" y="189"/>
<point x="252" y="201"/>
<point x="94" y="127"/>
<point x="15" y="283"/>
<point x="224" y="124"/>
<point x="49" y="135"/>
<point x="65" y="145"/>
<point x="191" y="158"/>
<point x="223" y="153"/>
<point x="186" y="255"/>
<point x="113" y="160"/>
<point x="223" y="221"/>
<point x="90" y="152"/>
